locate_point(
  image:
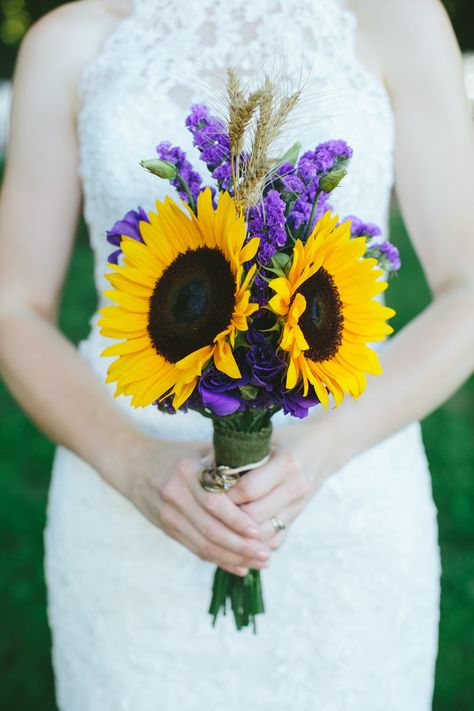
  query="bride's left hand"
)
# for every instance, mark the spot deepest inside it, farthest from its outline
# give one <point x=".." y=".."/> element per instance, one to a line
<point x="301" y="460"/>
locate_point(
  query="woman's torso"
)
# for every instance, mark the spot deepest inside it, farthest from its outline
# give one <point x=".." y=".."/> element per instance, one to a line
<point x="164" y="56"/>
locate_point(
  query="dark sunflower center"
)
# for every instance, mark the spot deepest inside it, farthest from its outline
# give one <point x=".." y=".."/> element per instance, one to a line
<point x="322" y="320"/>
<point x="192" y="302"/>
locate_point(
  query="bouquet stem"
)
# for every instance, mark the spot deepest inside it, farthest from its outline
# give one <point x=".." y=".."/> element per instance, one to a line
<point x="236" y="448"/>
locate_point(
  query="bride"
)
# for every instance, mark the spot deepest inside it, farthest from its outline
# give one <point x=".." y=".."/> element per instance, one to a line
<point x="352" y="585"/>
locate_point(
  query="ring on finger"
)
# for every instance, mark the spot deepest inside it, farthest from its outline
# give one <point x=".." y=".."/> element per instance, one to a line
<point x="277" y="524"/>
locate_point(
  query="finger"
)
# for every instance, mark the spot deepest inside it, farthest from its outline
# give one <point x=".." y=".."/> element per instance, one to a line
<point x="286" y="516"/>
<point x="183" y="531"/>
<point x="277" y="540"/>
<point x="221" y="507"/>
<point x="279" y="499"/>
<point x="213" y="530"/>
<point x="261" y="481"/>
<point x="236" y="571"/>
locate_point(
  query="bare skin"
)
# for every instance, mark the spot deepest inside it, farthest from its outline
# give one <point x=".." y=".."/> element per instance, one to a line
<point x="423" y="364"/>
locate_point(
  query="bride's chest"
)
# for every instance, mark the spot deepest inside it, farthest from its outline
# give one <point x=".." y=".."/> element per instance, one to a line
<point x="137" y="93"/>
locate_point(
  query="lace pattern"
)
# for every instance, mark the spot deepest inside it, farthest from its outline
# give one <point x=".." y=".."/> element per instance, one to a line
<point x="352" y="596"/>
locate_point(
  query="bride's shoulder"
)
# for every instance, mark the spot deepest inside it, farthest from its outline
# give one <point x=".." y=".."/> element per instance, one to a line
<point x="420" y="28"/>
<point x="66" y="39"/>
<point x="389" y="21"/>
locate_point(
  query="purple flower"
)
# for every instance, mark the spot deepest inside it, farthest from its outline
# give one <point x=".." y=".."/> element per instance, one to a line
<point x="295" y="404"/>
<point x="324" y="158"/>
<point x="223" y="175"/>
<point x="363" y="229"/>
<point x="194" y="402"/>
<point x="390" y="256"/>
<point x="265" y="366"/>
<point x="128" y="226"/>
<point x="210" y="136"/>
<point x="219" y="393"/>
<point x="267" y="221"/>
<point x="387" y="255"/>
<point x="290" y="182"/>
<point x="175" y="155"/>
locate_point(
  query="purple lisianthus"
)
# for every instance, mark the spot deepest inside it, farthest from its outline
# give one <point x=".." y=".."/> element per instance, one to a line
<point x="294" y="403"/>
<point x="128" y="226"/>
<point x="219" y="393"/>
<point x="175" y="155"/>
<point x="194" y="402"/>
<point x="264" y="365"/>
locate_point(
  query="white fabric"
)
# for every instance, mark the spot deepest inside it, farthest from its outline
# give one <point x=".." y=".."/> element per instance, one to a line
<point x="353" y="595"/>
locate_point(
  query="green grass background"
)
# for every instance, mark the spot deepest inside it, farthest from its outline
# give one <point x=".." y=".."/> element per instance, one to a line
<point x="25" y="462"/>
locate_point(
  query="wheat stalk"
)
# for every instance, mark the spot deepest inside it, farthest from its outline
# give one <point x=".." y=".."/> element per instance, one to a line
<point x="260" y="117"/>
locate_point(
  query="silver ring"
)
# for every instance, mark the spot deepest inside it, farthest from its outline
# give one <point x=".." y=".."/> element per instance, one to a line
<point x="217" y="479"/>
<point x="278" y="525"/>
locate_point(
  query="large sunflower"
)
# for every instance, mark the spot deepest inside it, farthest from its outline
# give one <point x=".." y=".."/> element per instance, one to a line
<point x="181" y="297"/>
<point x="329" y="312"/>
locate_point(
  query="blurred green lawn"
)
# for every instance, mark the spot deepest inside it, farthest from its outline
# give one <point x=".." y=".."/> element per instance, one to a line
<point x="25" y="461"/>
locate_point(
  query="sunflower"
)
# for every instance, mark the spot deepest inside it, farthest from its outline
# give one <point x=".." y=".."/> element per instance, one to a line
<point x="329" y="314"/>
<point x="180" y="297"/>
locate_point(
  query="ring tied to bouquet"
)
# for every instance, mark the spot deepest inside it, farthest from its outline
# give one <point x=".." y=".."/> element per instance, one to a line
<point x="220" y="478"/>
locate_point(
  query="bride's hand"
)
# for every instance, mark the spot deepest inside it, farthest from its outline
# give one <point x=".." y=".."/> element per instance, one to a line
<point x="161" y="478"/>
<point x="301" y="460"/>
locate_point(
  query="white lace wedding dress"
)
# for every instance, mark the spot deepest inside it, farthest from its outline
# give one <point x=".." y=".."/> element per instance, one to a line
<point x="353" y="594"/>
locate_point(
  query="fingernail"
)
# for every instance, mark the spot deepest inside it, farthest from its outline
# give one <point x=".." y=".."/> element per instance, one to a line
<point x="251" y="531"/>
<point x="263" y="555"/>
<point x="242" y="571"/>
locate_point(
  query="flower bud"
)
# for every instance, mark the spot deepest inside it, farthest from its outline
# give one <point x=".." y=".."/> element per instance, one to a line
<point x="161" y="168"/>
<point x="332" y="179"/>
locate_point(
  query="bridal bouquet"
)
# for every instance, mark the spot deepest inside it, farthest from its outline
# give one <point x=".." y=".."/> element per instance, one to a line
<point x="245" y="297"/>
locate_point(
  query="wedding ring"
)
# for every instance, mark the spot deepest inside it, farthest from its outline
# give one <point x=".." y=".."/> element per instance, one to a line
<point x="278" y="525"/>
<point x="217" y="479"/>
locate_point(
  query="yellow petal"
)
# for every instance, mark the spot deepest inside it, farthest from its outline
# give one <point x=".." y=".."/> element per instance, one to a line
<point x="224" y="360"/>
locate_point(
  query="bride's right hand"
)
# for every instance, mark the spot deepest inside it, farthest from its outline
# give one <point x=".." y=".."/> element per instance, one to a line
<point x="161" y="479"/>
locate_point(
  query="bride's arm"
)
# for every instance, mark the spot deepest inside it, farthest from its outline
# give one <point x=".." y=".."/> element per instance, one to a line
<point x="431" y="357"/>
<point x="39" y="207"/>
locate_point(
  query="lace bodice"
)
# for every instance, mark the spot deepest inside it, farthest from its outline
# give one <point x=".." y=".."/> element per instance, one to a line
<point x="169" y="54"/>
<point x="352" y="596"/>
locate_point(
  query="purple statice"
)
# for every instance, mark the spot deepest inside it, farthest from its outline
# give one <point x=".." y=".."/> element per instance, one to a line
<point x="323" y="159"/>
<point x="175" y="155"/>
<point x="363" y="229"/>
<point x="223" y="175"/>
<point x="294" y="403"/>
<point x="127" y="226"/>
<point x="303" y="207"/>
<point x="387" y="255"/>
<point x="259" y="290"/>
<point x="267" y="221"/>
<point x="211" y="138"/>
<point x="304" y="181"/>
<point x="289" y="179"/>
<point x="385" y="252"/>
